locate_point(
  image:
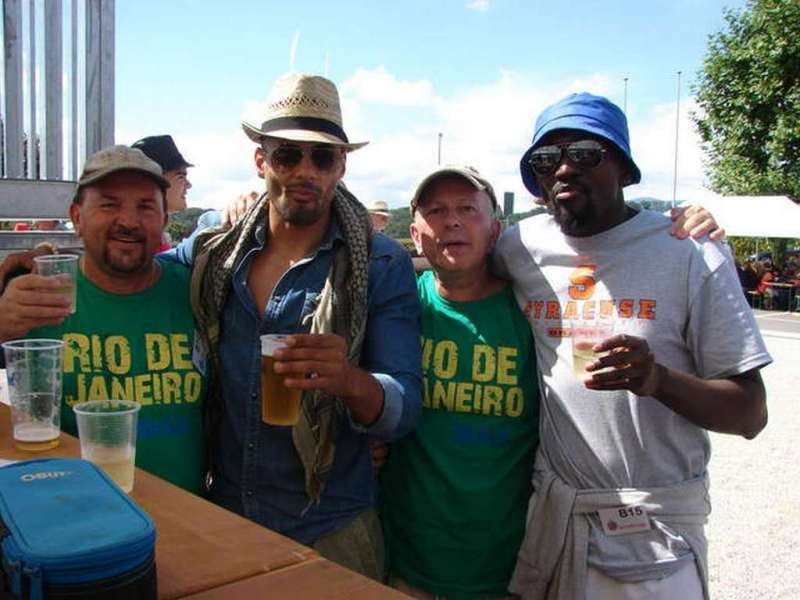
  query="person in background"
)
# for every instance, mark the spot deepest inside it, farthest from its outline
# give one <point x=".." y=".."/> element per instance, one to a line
<point x="380" y="215"/>
<point x="162" y="150"/>
<point x="49" y="225"/>
<point x="749" y="276"/>
<point x="764" y="288"/>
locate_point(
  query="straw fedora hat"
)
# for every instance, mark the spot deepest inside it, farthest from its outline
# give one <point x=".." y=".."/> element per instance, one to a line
<point x="303" y="108"/>
<point x="379" y="207"/>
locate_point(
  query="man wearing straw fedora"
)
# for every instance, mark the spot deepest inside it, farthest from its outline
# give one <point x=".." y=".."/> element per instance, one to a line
<point x="379" y="212"/>
<point x="304" y="262"/>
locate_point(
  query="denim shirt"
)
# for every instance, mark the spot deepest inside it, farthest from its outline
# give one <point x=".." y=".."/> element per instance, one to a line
<point x="258" y="473"/>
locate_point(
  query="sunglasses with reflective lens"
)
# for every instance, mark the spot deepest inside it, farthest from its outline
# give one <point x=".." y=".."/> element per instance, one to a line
<point x="287" y="157"/>
<point x="584" y="153"/>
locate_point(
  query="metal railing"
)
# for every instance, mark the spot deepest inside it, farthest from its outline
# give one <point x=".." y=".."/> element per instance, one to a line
<point x="57" y="108"/>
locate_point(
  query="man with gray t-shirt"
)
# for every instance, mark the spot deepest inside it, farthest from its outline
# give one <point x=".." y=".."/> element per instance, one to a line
<point x="621" y="489"/>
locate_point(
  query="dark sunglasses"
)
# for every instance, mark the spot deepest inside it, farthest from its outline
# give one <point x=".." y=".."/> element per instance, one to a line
<point x="287" y="157"/>
<point x="584" y="153"/>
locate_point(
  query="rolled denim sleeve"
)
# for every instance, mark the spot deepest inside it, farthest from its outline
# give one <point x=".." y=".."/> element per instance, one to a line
<point x="391" y="350"/>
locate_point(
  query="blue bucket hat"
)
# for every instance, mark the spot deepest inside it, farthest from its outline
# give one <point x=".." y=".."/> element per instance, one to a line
<point x="583" y="112"/>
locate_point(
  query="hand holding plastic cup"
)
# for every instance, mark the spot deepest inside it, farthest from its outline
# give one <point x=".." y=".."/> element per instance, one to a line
<point x="55" y="264"/>
<point x="33" y="369"/>
<point x="279" y="405"/>
<point x="585" y="335"/>
<point x="107" y="432"/>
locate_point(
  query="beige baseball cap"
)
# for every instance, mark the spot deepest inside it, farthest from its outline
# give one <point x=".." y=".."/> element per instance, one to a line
<point x="470" y="174"/>
<point x="110" y="160"/>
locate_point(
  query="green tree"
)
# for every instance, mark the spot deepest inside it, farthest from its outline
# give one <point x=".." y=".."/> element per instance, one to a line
<point x="748" y="92"/>
<point x="398" y="224"/>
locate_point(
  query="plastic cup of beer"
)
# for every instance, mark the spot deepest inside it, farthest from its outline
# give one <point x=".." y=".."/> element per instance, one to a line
<point x="585" y="335"/>
<point x="107" y="431"/>
<point x="279" y="405"/>
<point x="55" y="264"/>
<point x="33" y="371"/>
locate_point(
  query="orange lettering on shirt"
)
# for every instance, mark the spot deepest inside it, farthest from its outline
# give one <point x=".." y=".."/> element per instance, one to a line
<point x="626" y="308"/>
<point x="527" y="310"/>
<point x="588" y="309"/>
<point x="582" y="280"/>
<point x="607" y="308"/>
<point x="571" y="310"/>
<point x="647" y="309"/>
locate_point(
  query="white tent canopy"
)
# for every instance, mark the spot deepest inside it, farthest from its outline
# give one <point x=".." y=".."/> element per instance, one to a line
<point x="756" y="216"/>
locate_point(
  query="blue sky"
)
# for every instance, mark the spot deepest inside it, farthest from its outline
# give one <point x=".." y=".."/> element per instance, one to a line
<point x="477" y="71"/>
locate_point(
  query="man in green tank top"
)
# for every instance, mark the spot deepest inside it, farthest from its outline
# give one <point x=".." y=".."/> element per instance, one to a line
<point x="455" y="490"/>
<point x="132" y="334"/>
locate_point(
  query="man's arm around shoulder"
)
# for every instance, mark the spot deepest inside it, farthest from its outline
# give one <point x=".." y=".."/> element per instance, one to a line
<point x="184" y="251"/>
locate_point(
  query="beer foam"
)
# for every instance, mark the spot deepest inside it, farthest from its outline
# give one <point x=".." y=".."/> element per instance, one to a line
<point x="271" y="342"/>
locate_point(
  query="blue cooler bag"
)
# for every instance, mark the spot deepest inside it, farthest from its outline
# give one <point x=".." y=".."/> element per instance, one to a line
<point x="67" y="531"/>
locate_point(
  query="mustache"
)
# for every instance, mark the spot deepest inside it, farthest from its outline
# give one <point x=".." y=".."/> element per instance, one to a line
<point x="304" y="187"/>
<point x="126" y="233"/>
<point x="560" y="186"/>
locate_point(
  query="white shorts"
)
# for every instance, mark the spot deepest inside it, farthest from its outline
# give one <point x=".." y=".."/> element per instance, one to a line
<point x="685" y="583"/>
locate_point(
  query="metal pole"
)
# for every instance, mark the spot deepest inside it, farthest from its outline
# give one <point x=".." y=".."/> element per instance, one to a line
<point x="439" y="157"/>
<point x="677" y="123"/>
<point x="74" y="129"/>
<point x="33" y="154"/>
<point x="625" y="98"/>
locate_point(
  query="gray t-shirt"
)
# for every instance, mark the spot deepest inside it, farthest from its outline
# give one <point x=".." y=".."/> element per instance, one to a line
<point x="683" y="297"/>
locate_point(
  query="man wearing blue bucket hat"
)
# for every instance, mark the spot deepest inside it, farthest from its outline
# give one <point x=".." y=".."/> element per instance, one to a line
<point x="620" y="479"/>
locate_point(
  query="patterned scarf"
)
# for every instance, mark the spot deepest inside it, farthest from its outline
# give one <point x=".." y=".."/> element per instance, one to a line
<point x="342" y="309"/>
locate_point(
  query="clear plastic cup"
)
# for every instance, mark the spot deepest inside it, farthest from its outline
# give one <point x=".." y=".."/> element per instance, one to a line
<point x="55" y="264"/>
<point x="107" y="431"/>
<point x="33" y="370"/>
<point x="279" y="405"/>
<point x="585" y="334"/>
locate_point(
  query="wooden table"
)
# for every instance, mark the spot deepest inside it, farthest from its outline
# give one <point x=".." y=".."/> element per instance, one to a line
<point x="206" y="552"/>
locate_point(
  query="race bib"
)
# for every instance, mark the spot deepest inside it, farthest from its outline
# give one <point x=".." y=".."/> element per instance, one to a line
<point x="624" y="520"/>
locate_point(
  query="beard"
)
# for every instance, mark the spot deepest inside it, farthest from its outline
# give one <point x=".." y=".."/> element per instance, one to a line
<point x="573" y="222"/>
<point x="126" y="264"/>
<point x="132" y="260"/>
<point x="301" y="213"/>
<point x="576" y="215"/>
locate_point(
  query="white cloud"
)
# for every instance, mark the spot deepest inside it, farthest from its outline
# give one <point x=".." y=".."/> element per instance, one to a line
<point x="478" y="5"/>
<point x="378" y="86"/>
<point x="488" y="125"/>
<point x="653" y="147"/>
